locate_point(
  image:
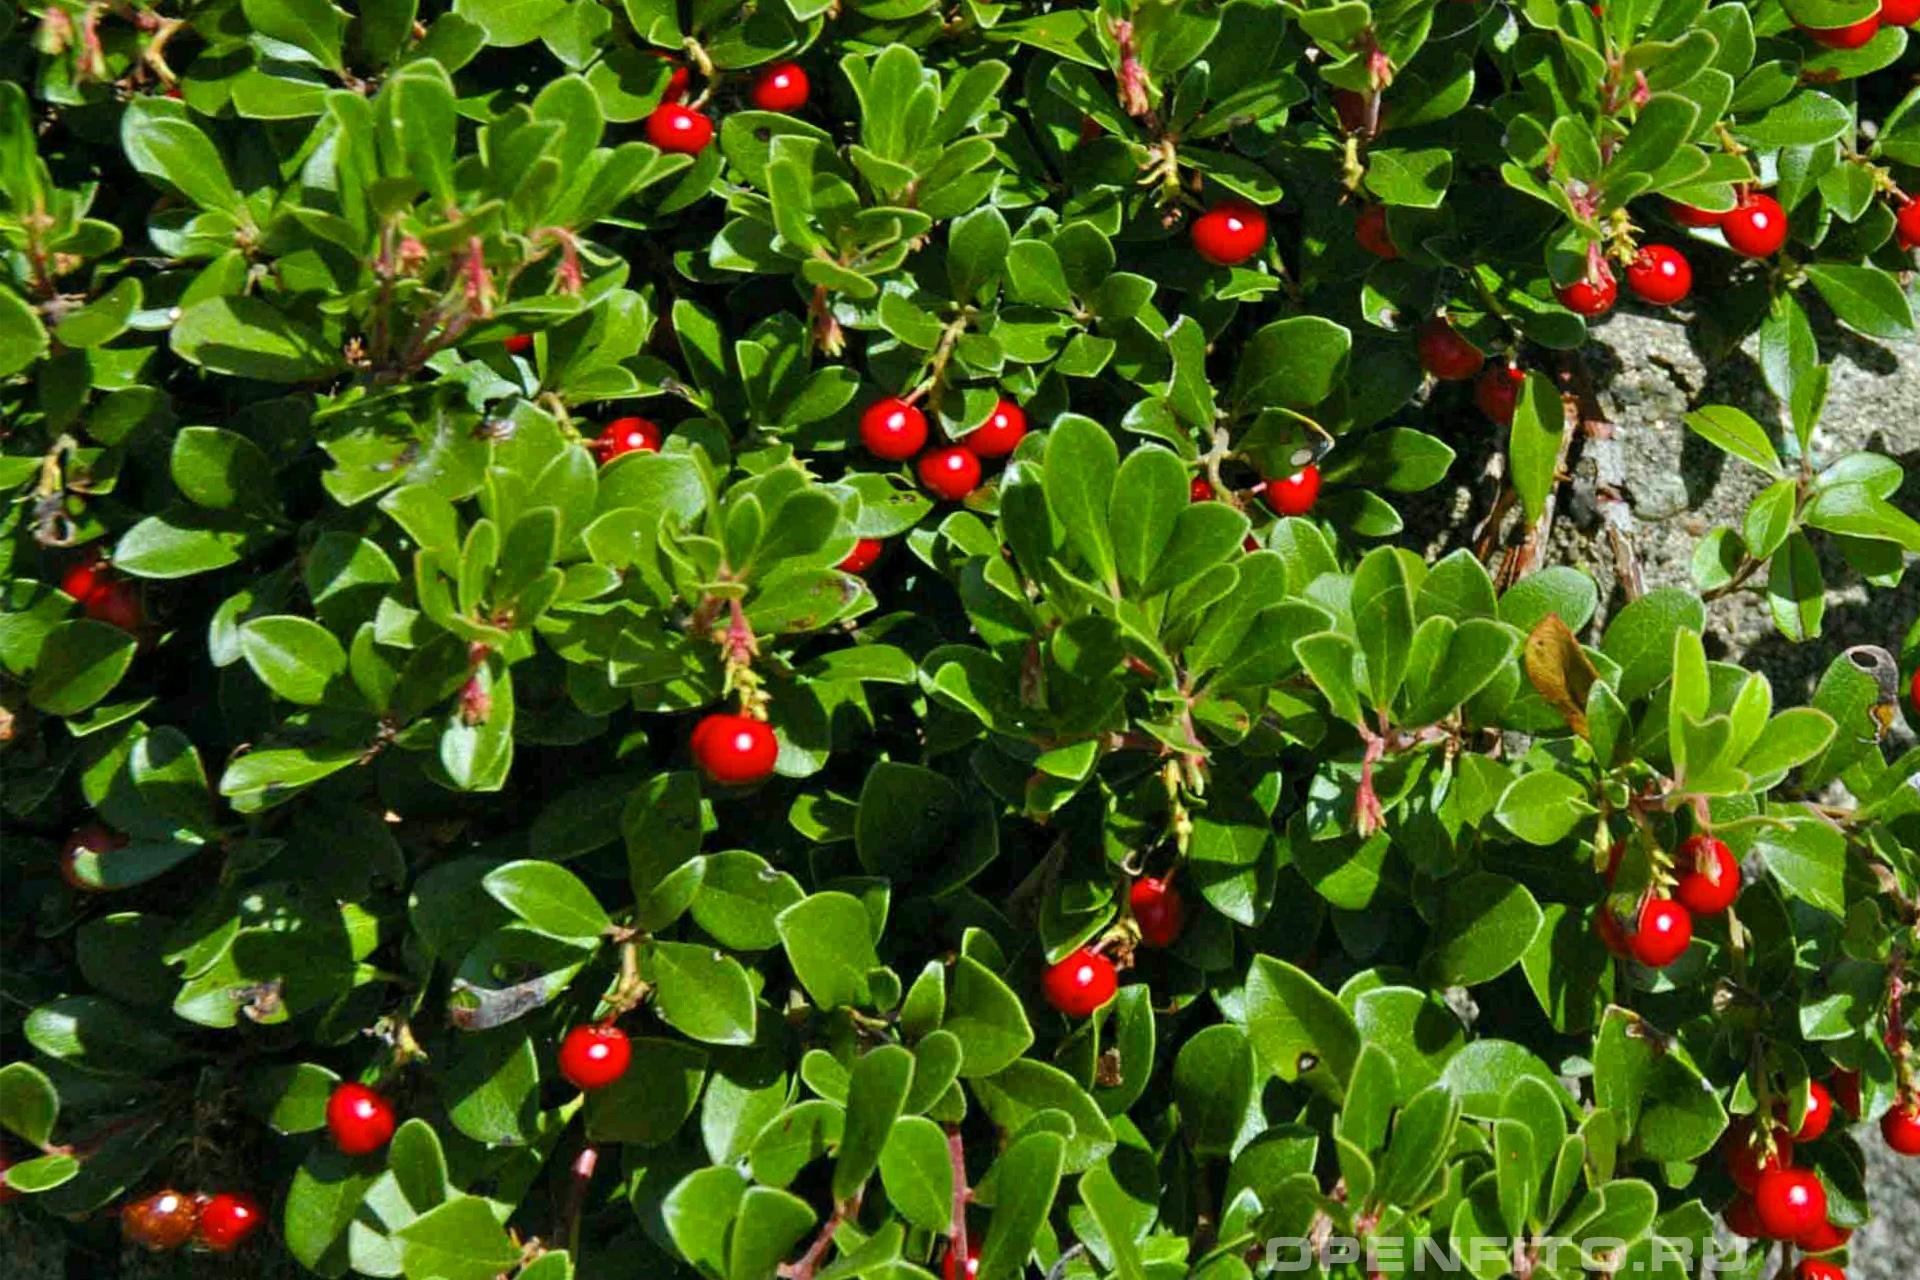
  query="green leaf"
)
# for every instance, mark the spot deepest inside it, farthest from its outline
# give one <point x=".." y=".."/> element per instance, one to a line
<point x="23" y="339"/>
<point x="986" y="1016"/>
<point x="1213" y="1081"/>
<point x="1796" y="589"/>
<point x="418" y="1164"/>
<point x="457" y="1240"/>
<point x="1026" y="1178"/>
<point x="297" y="658"/>
<point x="875" y="1096"/>
<point x="249" y="337"/>
<point x="1640" y="638"/>
<point x="1543" y="808"/>
<point x="700" y="1209"/>
<point x="172" y="148"/>
<point x="1080" y="467"/>
<point x="917" y="1172"/>
<point x="1533" y="443"/>
<point x="549" y="898"/>
<point x="1382" y="605"/>
<point x="312" y="25"/>
<point x="701" y="993"/>
<point x="81" y="661"/>
<point x="1483" y="926"/>
<point x="1732" y="430"/>
<point x="1297" y="1026"/>
<point x="1809" y="859"/>
<point x="829" y="942"/>
<point x="648" y="1105"/>
<point x="770" y="1224"/>
<point x="28" y="1103"/>
<point x="1149" y="496"/>
<point x="1864" y="297"/>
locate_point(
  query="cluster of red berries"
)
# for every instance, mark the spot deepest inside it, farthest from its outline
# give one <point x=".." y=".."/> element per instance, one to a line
<point x="1084" y="979"/>
<point x="1708" y="883"/>
<point x="102" y="595"/>
<point x="1229" y="233"/>
<point x="168" y="1219"/>
<point x="1893" y="13"/>
<point x="733" y="749"/>
<point x="1448" y="355"/>
<point x="676" y="127"/>
<point x="895" y="430"/>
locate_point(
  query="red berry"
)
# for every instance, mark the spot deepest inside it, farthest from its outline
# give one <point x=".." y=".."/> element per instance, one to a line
<point x="1899" y="13"/>
<point x="781" y="87"/>
<point x="863" y="555"/>
<point x="1815" y="1269"/>
<point x="1229" y="233"/>
<point x="85" y="578"/>
<point x="627" y="435"/>
<point x="117" y="604"/>
<point x="1201" y="490"/>
<point x="673" y="127"/>
<point x="1824" y="1238"/>
<point x="1709" y="876"/>
<point x="1757" y="227"/>
<point x="519" y="344"/>
<point x="1585" y="298"/>
<point x="678" y="80"/>
<point x="1158" y="909"/>
<point x="594" y="1057"/>
<point x="1913" y="690"/>
<point x="1001" y="433"/>
<point x="1370" y="229"/>
<point x="1660" y="275"/>
<point x="1446" y="354"/>
<point x="1688" y="216"/>
<point x="227" y="1219"/>
<point x="949" y="1271"/>
<point x="1789" y="1202"/>
<point x="1081" y="983"/>
<point x="1845" y="1086"/>
<point x="1851" y="36"/>
<point x="360" y="1120"/>
<point x="1819" y="1113"/>
<point x="734" y="749"/>
<point x="893" y="429"/>
<point x="951" y="473"/>
<point x="1741" y="1218"/>
<point x="1498" y="390"/>
<point x="1901" y="1127"/>
<point x="92" y="838"/>
<point x="161" y="1222"/>
<point x="1665" y="928"/>
<point x="1906" y="226"/>
<point x="1293" y="495"/>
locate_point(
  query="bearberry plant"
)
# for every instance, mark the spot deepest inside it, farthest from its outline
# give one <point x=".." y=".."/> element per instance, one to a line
<point x="787" y="639"/>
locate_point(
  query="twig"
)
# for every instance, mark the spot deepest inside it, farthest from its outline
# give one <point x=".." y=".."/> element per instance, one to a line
<point x="810" y="1260"/>
<point x="962" y="1196"/>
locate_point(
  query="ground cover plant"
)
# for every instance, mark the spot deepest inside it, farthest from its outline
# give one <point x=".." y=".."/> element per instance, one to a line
<point x="780" y="640"/>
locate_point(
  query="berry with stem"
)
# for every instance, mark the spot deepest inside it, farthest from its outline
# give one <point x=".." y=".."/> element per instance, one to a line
<point x="734" y="749"/>
<point x="594" y="1057"/>
<point x="1080" y="983"/>
<point x="1660" y="275"/>
<point x="1158" y="909"/>
<point x="1709" y="875"/>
